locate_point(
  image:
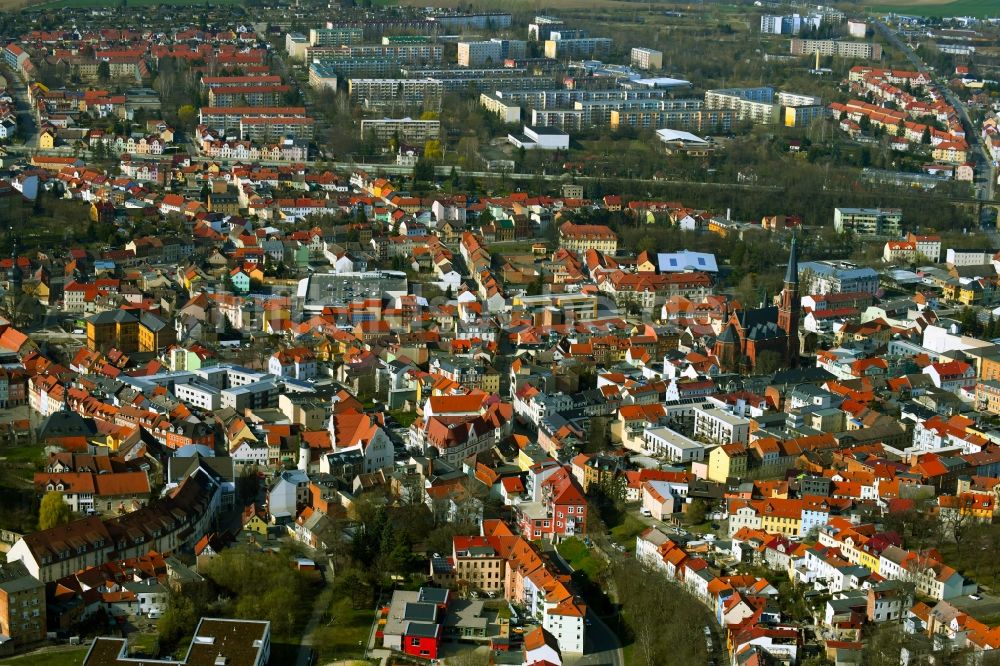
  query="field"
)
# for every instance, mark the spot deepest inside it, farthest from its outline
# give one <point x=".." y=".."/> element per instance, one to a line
<point x="344" y="635"/>
<point x="938" y="8"/>
<point x="131" y="3"/>
<point x="551" y="5"/>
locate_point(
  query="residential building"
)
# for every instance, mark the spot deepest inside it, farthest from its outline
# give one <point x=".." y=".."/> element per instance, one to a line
<point x="118" y="329"/>
<point x="836" y="47"/>
<point x="582" y="237"/>
<point x="836" y="277"/>
<point x="403" y="129"/>
<point x="22" y="605"/>
<point x="644" y="58"/>
<point x="721" y="427"/>
<point x="581" y="47"/>
<point x="869" y="222"/>
<point x="486" y="53"/>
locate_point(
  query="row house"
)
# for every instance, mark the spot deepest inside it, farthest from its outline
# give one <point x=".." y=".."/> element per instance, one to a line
<point x="174" y="522"/>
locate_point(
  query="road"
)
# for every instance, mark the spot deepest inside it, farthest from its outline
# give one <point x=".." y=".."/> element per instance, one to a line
<point x="601" y="643"/>
<point x="985" y="176"/>
<point x="25" y="118"/>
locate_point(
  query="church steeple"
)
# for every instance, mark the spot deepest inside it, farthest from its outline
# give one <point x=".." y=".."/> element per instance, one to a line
<point x="792" y="274"/>
<point x="788" y="310"/>
<point x="15" y="278"/>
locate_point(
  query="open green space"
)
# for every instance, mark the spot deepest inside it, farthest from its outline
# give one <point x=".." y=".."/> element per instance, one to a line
<point x="345" y="628"/>
<point x="143" y="643"/>
<point x="54" y="658"/>
<point x="402" y="417"/>
<point x="940" y="8"/>
<point x="580" y="557"/>
<point x="625" y="533"/>
<point x="22" y="454"/>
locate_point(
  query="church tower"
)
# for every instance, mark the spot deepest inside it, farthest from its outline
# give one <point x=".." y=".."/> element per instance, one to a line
<point x="788" y="310"/>
<point x="15" y="282"/>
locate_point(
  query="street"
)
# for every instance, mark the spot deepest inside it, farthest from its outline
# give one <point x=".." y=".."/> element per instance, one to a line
<point x="601" y="644"/>
<point x="985" y="174"/>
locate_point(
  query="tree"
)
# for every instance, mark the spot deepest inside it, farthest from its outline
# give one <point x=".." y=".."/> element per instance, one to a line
<point x="247" y="483"/>
<point x="768" y="361"/>
<point x="696" y="512"/>
<point x="54" y="511"/>
<point x="423" y="171"/>
<point x="970" y="321"/>
<point x="432" y="150"/>
<point x="178" y="621"/>
<point x="186" y="115"/>
<point x="925" y="138"/>
<point x="103" y="71"/>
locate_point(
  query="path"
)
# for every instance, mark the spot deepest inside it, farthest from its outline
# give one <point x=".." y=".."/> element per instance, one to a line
<point x="320" y="607"/>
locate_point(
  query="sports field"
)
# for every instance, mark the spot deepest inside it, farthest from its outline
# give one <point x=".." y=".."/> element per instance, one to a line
<point x="979" y="8"/>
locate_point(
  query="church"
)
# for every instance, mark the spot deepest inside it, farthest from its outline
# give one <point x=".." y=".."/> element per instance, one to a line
<point x="751" y="332"/>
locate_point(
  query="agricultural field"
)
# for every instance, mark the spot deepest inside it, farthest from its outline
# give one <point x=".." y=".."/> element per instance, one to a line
<point x="940" y="8"/>
<point x="130" y="3"/>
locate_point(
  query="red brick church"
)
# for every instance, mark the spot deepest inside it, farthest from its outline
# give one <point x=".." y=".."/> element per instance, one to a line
<point x="751" y="332"/>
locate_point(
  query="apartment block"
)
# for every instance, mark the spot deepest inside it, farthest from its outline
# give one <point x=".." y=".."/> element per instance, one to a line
<point x="508" y="112"/>
<point x="407" y="129"/>
<point x="716" y="425"/>
<point x="753" y="104"/>
<point x="836" y="277"/>
<point x="582" y="47"/>
<point x="462" y="84"/>
<point x="700" y="120"/>
<point x="644" y="58"/>
<point x="22" y="604"/>
<point x="295" y="45"/>
<point x="802" y="116"/>
<point x="387" y="92"/>
<point x="541" y="28"/>
<point x="337" y="36"/>
<point x="566" y="119"/>
<point x="869" y="222"/>
<point x="247" y="95"/>
<point x="475" y="54"/>
<point x="790" y="24"/>
<point x="324" y="72"/>
<point x="411" y="53"/>
<point x="835" y="47"/>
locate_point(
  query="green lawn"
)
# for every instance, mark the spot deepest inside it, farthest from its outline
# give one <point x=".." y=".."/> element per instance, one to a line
<point x="21" y="454"/>
<point x="580" y="558"/>
<point x="59" y="657"/>
<point x="403" y="417"/>
<point x="625" y="533"/>
<point x="347" y="627"/>
<point x="145" y="644"/>
<point x="979" y="8"/>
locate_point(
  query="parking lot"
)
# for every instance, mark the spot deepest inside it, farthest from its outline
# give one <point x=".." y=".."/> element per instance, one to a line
<point x="987" y="605"/>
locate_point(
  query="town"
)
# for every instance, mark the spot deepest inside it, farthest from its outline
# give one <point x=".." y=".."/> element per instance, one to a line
<point x="596" y="333"/>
